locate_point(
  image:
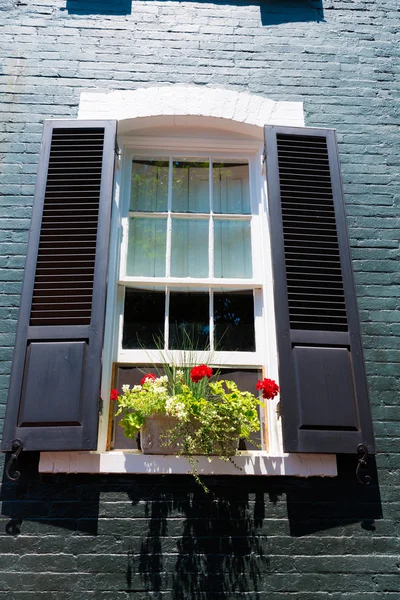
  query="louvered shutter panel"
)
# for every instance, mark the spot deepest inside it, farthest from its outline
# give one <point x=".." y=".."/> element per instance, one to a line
<point x="55" y="380"/>
<point x="324" y="396"/>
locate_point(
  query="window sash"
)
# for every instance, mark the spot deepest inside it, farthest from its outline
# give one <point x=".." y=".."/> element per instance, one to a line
<point x="255" y="283"/>
<point x="225" y="358"/>
<point x="247" y="246"/>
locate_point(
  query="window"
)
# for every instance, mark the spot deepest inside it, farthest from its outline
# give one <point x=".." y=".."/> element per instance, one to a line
<point x="188" y="265"/>
<point x="54" y="390"/>
<point x="189" y="272"/>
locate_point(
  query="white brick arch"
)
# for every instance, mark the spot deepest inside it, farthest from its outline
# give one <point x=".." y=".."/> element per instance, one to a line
<point x="191" y="106"/>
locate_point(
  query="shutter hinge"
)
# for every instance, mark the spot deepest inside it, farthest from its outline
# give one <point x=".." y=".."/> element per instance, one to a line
<point x="362" y="475"/>
<point x="101" y="405"/>
<point x="17" y="446"/>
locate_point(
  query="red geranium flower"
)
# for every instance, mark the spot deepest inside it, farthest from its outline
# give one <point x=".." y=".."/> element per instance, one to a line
<point x="114" y="395"/>
<point x="269" y="388"/>
<point x="198" y="373"/>
<point x="149" y="376"/>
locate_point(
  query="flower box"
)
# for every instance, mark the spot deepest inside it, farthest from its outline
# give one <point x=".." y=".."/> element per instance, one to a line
<point x="153" y="435"/>
<point x="154" y="438"/>
<point x="187" y="412"/>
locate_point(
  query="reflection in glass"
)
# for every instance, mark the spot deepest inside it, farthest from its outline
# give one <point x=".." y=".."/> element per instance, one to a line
<point x="189" y="320"/>
<point x="143" y="319"/>
<point x="190" y="186"/>
<point x="234" y="321"/>
<point x="231" y="188"/>
<point x="232" y="249"/>
<point x="189" y="248"/>
<point x="146" y="247"/>
<point x="149" y="186"/>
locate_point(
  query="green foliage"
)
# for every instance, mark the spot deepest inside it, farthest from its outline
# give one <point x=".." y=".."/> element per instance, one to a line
<point x="210" y="415"/>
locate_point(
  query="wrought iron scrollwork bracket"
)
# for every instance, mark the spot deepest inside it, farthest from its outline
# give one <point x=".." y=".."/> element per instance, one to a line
<point x="362" y="475"/>
<point x="16" y="451"/>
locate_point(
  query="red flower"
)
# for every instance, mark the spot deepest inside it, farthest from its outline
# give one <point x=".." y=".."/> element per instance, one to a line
<point x="198" y="373"/>
<point x="269" y="388"/>
<point x="114" y="395"/>
<point x="148" y="377"/>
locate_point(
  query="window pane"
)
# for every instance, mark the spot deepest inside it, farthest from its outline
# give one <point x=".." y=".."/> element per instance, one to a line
<point x="234" y="321"/>
<point x="143" y="319"/>
<point x="231" y="188"/>
<point x="189" y="326"/>
<point x="232" y="249"/>
<point x="190" y="186"/>
<point x="149" y="188"/>
<point x="189" y="248"/>
<point x="146" y="247"/>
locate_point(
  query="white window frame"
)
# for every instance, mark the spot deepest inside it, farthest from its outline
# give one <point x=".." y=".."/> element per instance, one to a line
<point x="265" y="356"/>
<point x="135" y="148"/>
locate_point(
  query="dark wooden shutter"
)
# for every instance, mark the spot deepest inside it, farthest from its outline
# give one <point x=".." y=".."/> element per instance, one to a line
<point x="55" y="380"/>
<point x="324" y="396"/>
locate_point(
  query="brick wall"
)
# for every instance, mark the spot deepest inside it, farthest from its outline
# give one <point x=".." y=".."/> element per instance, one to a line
<point x="159" y="537"/>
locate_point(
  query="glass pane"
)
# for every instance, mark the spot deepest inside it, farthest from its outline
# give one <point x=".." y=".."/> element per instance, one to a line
<point x="231" y="188"/>
<point x="190" y="186"/>
<point x="143" y="319"/>
<point x="149" y="188"/>
<point x="189" y="325"/>
<point x="234" y="321"/>
<point x="146" y="247"/>
<point x="189" y="248"/>
<point x="232" y="249"/>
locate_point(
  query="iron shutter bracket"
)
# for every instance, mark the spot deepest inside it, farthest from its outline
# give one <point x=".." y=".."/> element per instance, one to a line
<point x="17" y="449"/>
<point x="362" y="466"/>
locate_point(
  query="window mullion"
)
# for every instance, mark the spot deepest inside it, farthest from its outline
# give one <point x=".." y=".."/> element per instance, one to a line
<point x="169" y="222"/>
<point x="211" y="224"/>
<point x="211" y="300"/>
<point x="166" y="321"/>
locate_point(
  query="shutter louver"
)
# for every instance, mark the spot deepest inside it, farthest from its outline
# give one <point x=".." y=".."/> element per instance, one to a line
<point x="324" y="395"/>
<point x="55" y="379"/>
<point x="313" y="270"/>
<point x="63" y="287"/>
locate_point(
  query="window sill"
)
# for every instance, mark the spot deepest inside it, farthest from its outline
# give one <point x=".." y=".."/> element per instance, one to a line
<point x="249" y="463"/>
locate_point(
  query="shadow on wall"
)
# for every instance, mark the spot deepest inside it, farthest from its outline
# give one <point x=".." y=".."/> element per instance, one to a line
<point x="164" y="533"/>
<point x="272" y="12"/>
<point x="36" y="504"/>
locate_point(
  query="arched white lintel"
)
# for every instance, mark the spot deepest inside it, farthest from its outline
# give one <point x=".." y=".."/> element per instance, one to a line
<point x="172" y="106"/>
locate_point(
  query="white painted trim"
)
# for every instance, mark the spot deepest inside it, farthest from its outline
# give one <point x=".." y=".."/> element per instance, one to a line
<point x="230" y="147"/>
<point x="220" y="359"/>
<point x="185" y="102"/>
<point x="191" y="282"/>
<point x="249" y="463"/>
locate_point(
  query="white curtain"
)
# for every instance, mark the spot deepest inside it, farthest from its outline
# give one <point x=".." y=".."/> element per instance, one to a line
<point x="149" y="187"/>
<point x="231" y="189"/>
<point x="189" y="248"/>
<point x="146" y="247"/>
<point x="190" y="189"/>
<point x="232" y="249"/>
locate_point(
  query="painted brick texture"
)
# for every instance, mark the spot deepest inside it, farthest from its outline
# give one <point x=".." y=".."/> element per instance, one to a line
<point x="109" y="538"/>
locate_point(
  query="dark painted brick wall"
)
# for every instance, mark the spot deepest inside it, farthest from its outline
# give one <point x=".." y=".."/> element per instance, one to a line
<point x="80" y="538"/>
